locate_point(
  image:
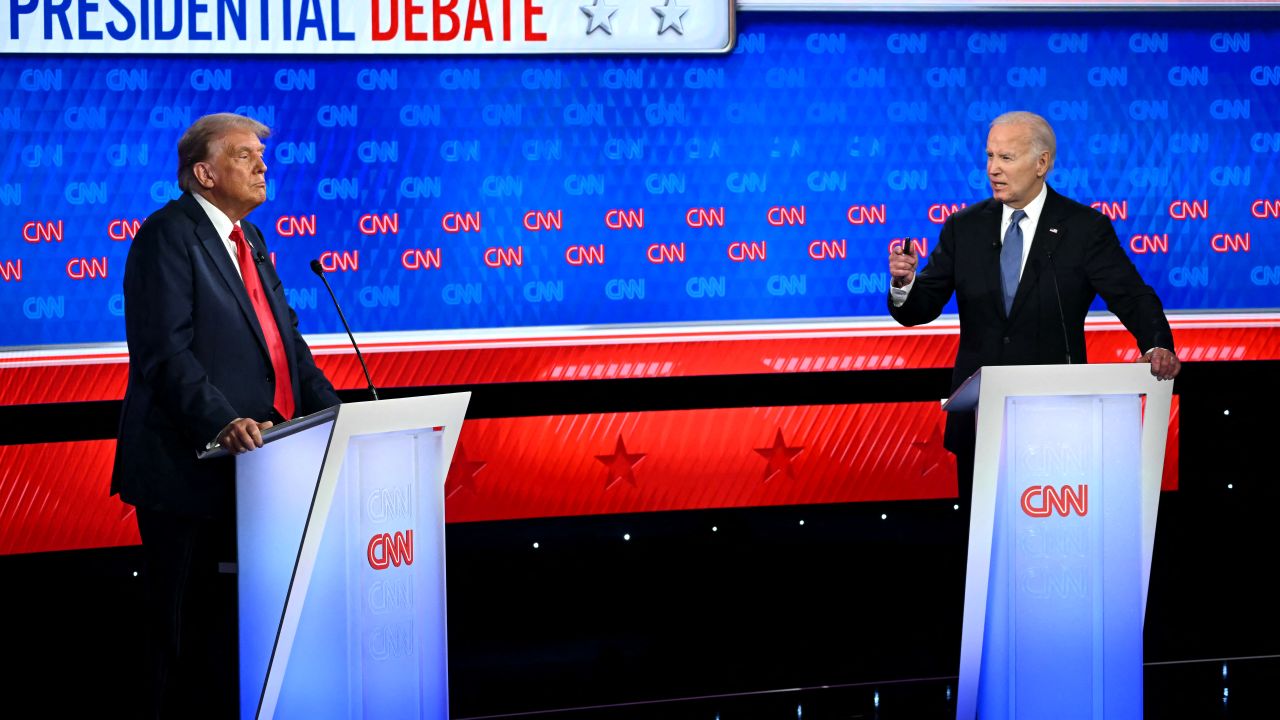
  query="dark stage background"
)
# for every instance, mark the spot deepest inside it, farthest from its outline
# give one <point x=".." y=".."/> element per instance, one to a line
<point x="761" y="602"/>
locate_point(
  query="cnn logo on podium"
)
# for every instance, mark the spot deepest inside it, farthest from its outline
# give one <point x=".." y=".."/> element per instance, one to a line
<point x="386" y="550"/>
<point x="1041" y="501"/>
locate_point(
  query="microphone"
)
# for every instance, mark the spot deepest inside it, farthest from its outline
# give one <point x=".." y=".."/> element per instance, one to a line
<point x="1053" y="271"/>
<point x="318" y="269"/>
<point x="906" y="252"/>
<point x="259" y="258"/>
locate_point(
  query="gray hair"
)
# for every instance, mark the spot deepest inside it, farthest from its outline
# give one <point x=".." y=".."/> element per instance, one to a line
<point x="197" y="142"/>
<point x="1042" y="137"/>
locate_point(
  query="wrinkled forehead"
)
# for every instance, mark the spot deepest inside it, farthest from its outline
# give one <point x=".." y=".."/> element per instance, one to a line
<point x="235" y="141"/>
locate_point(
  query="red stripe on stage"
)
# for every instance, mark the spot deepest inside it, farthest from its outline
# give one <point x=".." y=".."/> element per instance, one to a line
<point x="77" y="379"/>
<point x="53" y="496"/>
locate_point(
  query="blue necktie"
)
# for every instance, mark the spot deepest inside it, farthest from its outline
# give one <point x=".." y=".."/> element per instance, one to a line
<point x="1011" y="259"/>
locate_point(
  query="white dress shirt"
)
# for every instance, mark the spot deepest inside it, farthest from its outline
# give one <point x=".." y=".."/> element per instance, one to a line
<point x="222" y="225"/>
<point x="1034" y="210"/>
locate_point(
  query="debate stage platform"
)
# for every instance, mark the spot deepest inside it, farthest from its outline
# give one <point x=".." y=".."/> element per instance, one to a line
<point x="773" y="612"/>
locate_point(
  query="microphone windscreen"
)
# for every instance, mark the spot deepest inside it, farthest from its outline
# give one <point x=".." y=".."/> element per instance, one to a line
<point x="316" y="268"/>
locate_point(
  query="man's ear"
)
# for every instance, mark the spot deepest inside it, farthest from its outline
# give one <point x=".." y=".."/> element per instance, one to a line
<point x="1042" y="165"/>
<point x="203" y="174"/>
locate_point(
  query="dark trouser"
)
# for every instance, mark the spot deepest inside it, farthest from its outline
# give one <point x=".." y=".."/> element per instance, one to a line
<point x="192" y="615"/>
<point x="960" y="439"/>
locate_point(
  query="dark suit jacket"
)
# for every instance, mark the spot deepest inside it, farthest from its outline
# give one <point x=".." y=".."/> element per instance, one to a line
<point x="197" y="360"/>
<point x="1072" y="241"/>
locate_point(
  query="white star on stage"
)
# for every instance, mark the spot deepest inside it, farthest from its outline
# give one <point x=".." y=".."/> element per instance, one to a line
<point x="671" y="16"/>
<point x="598" y="18"/>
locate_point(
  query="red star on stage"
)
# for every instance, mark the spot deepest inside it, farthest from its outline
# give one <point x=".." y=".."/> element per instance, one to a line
<point x="779" y="457"/>
<point x="932" y="456"/>
<point x="620" y="465"/>
<point x="462" y="473"/>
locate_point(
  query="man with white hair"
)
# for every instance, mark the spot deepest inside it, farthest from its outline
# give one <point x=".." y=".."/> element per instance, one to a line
<point x="1024" y="266"/>
<point x="215" y="356"/>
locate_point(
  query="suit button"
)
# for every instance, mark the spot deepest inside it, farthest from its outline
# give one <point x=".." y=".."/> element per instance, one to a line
<point x="1006" y="339"/>
<point x="271" y="378"/>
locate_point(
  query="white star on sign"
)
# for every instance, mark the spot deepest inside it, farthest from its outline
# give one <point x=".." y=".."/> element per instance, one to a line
<point x="598" y="18"/>
<point x="671" y="16"/>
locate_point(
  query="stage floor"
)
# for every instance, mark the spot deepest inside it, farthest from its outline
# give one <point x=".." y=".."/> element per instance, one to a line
<point x="1238" y="688"/>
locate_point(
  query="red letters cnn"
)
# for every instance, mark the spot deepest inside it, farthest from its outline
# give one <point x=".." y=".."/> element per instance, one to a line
<point x="1043" y="500"/>
<point x="387" y="550"/>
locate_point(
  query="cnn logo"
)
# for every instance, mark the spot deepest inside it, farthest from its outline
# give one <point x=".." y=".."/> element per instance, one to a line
<point x="386" y="550"/>
<point x="1043" y="500"/>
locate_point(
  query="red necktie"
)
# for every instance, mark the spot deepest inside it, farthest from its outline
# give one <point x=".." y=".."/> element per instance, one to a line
<point x="283" y="400"/>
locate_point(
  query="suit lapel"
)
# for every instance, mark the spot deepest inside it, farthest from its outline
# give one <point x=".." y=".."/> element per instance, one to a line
<point x="217" y="250"/>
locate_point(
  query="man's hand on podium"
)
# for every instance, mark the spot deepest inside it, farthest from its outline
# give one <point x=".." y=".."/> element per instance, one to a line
<point x="242" y="435"/>
<point x="1164" y="364"/>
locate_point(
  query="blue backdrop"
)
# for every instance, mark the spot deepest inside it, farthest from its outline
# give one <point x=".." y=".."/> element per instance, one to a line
<point x="870" y="126"/>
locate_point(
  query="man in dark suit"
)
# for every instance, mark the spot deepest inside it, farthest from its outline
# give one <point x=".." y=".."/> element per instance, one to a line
<point x="215" y="356"/>
<point x="1009" y="259"/>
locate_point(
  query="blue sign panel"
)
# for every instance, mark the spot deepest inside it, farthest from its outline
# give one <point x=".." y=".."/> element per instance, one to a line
<point x="451" y="193"/>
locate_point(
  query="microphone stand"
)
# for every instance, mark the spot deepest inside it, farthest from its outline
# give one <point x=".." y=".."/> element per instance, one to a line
<point x="318" y="269"/>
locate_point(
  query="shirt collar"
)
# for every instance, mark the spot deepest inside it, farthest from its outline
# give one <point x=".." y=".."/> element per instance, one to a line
<point x="221" y="223"/>
<point x="1032" y="209"/>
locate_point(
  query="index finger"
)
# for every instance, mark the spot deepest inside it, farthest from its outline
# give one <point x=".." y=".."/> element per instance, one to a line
<point x="255" y="434"/>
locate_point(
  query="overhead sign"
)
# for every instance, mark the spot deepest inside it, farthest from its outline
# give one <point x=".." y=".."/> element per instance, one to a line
<point x="365" y="27"/>
<point x="983" y="5"/>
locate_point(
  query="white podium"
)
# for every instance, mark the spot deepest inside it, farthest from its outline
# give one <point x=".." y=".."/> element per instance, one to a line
<point x="1066" y="486"/>
<point x="340" y="525"/>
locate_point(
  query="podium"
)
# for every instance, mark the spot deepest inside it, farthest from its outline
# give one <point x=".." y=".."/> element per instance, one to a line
<point x="340" y="526"/>
<point x="1066" y="486"/>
